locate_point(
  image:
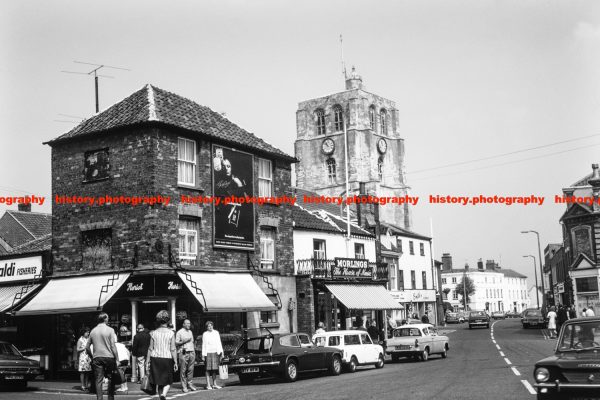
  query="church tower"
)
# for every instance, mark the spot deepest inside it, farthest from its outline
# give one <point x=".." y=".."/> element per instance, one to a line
<point x="375" y="148"/>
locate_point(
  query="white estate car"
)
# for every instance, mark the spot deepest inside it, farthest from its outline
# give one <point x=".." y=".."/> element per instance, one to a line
<point x="418" y="341"/>
<point x="357" y="346"/>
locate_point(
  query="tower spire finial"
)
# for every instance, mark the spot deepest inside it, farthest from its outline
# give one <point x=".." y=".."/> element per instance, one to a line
<point x="342" y="58"/>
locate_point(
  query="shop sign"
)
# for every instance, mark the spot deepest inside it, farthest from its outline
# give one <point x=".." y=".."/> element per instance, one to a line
<point x="351" y="268"/>
<point x="151" y="285"/>
<point x="20" y="269"/>
<point x="407" y="296"/>
<point x="168" y="285"/>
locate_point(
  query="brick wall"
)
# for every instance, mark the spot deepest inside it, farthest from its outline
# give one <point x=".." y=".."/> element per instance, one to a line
<point x="143" y="161"/>
<point x="306" y="305"/>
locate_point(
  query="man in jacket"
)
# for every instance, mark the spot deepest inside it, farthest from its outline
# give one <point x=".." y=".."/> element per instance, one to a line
<point x="139" y="349"/>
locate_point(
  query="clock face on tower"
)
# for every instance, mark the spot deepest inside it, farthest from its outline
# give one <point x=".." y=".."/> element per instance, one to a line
<point x="382" y="145"/>
<point x="328" y="146"/>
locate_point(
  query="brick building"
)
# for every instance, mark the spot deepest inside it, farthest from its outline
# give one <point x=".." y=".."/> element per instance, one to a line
<point x="229" y="263"/>
<point x="375" y="147"/>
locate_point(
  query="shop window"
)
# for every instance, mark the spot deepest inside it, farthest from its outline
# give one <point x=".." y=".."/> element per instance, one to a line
<point x="589" y="284"/>
<point x="188" y="241"/>
<point x="265" y="178"/>
<point x="422" y="248"/>
<point x="411" y="247"/>
<point x="359" y="251"/>
<point x="424" y="279"/>
<point x="319" y="251"/>
<point x="372" y="117"/>
<point x="400" y="280"/>
<point x="383" y="121"/>
<point x="186" y="162"/>
<point x="267" y="248"/>
<point x="96" y="165"/>
<point x="268" y="317"/>
<point x="338" y="118"/>
<point x="331" y="170"/>
<point x="413" y="280"/>
<point x="96" y="249"/>
<point x="320" y="121"/>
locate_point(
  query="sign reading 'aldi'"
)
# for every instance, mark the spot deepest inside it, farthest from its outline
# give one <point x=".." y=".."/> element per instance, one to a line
<point x="20" y="269"/>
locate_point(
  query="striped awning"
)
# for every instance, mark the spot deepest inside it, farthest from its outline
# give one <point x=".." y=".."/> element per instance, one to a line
<point x="363" y="297"/>
<point x="7" y="294"/>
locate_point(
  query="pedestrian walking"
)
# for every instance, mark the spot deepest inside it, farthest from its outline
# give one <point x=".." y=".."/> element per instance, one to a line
<point x="184" y="340"/>
<point x="589" y="312"/>
<point x="103" y="339"/>
<point x="123" y="362"/>
<point x="212" y="352"/>
<point x="162" y="355"/>
<point x="425" y="318"/>
<point x="373" y="331"/>
<point x="571" y="311"/>
<point x="552" y="322"/>
<point x="139" y="349"/>
<point x="562" y="316"/>
<point x="320" y="328"/>
<point x="84" y="360"/>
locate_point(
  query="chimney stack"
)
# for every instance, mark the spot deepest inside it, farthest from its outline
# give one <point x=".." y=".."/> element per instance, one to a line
<point x="466" y="266"/>
<point x="594" y="181"/>
<point x="24" y="207"/>
<point x="446" y="262"/>
<point x="490" y="265"/>
<point x="480" y="265"/>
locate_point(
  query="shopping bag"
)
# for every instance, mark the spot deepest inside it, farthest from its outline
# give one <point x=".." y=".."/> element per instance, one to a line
<point x="118" y="377"/>
<point x="223" y="372"/>
<point x="146" y="386"/>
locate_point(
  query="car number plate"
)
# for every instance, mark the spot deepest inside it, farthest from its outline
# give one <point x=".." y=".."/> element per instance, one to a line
<point x="15" y="377"/>
<point x="249" y="370"/>
<point x="403" y="347"/>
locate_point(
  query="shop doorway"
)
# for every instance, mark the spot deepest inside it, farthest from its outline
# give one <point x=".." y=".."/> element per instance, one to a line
<point x="147" y="311"/>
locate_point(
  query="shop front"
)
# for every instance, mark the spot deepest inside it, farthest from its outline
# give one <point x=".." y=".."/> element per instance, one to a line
<point x="416" y="303"/>
<point x="69" y="305"/>
<point x="586" y="276"/>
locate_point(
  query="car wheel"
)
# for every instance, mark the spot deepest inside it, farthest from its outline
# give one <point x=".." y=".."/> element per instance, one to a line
<point x="291" y="371"/>
<point x="488" y="326"/>
<point x="336" y="365"/>
<point x="395" y="357"/>
<point x="445" y="352"/>
<point x="351" y="367"/>
<point x="470" y="327"/>
<point x="425" y="354"/>
<point x="525" y="326"/>
<point x="380" y="362"/>
<point x="246" y="379"/>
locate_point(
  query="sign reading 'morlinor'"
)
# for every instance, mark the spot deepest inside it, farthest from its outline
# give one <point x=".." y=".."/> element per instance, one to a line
<point x="351" y="268"/>
<point x="20" y="269"/>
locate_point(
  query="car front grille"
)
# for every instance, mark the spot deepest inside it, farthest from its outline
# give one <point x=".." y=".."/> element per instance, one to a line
<point x="14" y="370"/>
<point x="579" y="376"/>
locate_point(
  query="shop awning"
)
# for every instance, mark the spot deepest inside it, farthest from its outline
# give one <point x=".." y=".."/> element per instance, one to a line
<point x="363" y="297"/>
<point x="74" y="294"/>
<point x="227" y="292"/>
<point x="7" y="294"/>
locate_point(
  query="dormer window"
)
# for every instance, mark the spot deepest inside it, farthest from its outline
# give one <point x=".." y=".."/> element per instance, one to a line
<point x="320" y="117"/>
<point x="383" y="121"/>
<point x="338" y="118"/>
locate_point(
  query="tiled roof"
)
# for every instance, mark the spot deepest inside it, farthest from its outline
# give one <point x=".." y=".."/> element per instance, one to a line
<point x="43" y="243"/>
<point x="151" y="104"/>
<point x="403" y="232"/>
<point x="321" y="220"/>
<point x="38" y="224"/>
<point x="331" y="208"/>
<point x="509" y="273"/>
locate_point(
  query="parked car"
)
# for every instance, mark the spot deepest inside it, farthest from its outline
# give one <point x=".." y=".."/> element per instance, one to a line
<point x="15" y="369"/>
<point x="263" y="353"/>
<point x="463" y="316"/>
<point x="478" y="318"/>
<point x="533" y="317"/>
<point x="498" y="315"/>
<point x="453" y="318"/>
<point x="573" y="369"/>
<point x="513" y="314"/>
<point x="357" y="347"/>
<point x="418" y="341"/>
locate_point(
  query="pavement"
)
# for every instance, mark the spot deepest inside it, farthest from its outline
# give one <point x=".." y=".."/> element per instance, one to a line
<point x="490" y="364"/>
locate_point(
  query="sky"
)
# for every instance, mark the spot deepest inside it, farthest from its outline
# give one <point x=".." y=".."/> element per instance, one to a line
<point x="471" y="79"/>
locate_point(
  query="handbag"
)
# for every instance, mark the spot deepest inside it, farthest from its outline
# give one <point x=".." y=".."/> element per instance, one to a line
<point x="146" y="387"/>
<point x="223" y="372"/>
<point x="118" y="377"/>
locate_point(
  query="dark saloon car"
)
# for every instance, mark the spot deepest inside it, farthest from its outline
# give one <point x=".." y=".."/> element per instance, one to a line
<point x="573" y="372"/>
<point x="533" y="317"/>
<point x="282" y="356"/>
<point x="14" y="368"/>
<point x="498" y="315"/>
<point x="453" y="318"/>
<point x="478" y="318"/>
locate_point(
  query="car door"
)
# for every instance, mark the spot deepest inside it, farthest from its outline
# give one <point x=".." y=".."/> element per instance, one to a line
<point x="313" y="357"/>
<point x="436" y="341"/>
<point x="352" y="346"/>
<point x="426" y="339"/>
<point x="368" y="349"/>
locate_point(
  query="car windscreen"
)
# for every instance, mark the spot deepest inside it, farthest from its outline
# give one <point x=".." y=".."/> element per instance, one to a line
<point x="7" y="349"/>
<point x="580" y="336"/>
<point x="477" y="314"/>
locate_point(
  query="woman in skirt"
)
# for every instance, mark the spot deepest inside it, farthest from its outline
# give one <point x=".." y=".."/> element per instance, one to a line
<point x="84" y="360"/>
<point x="162" y="355"/>
<point x="212" y="352"/>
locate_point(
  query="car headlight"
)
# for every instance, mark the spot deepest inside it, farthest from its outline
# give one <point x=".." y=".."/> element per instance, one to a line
<point x="541" y="374"/>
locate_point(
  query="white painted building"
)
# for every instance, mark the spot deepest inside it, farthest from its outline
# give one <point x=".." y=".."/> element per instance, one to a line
<point x="412" y="279"/>
<point x="496" y="289"/>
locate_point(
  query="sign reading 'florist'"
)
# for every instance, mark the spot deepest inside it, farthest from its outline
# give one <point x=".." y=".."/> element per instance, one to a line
<point x="20" y="269"/>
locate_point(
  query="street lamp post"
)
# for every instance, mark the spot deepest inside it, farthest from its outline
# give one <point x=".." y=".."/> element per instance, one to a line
<point x="537" y="292"/>
<point x="540" y="259"/>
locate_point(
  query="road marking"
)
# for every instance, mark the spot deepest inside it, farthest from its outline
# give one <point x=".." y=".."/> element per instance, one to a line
<point x="494" y="340"/>
<point x="498" y="347"/>
<point x="507" y="361"/>
<point x="528" y="386"/>
<point x="502" y="354"/>
<point x="517" y="373"/>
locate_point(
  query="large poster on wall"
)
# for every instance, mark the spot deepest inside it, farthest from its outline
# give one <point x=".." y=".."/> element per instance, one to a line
<point x="233" y="180"/>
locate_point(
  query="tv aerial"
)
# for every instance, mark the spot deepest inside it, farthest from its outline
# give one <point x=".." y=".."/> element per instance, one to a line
<point x="94" y="72"/>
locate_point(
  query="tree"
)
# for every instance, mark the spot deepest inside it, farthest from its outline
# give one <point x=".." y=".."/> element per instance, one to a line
<point x="466" y="285"/>
<point x="446" y="291"/>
